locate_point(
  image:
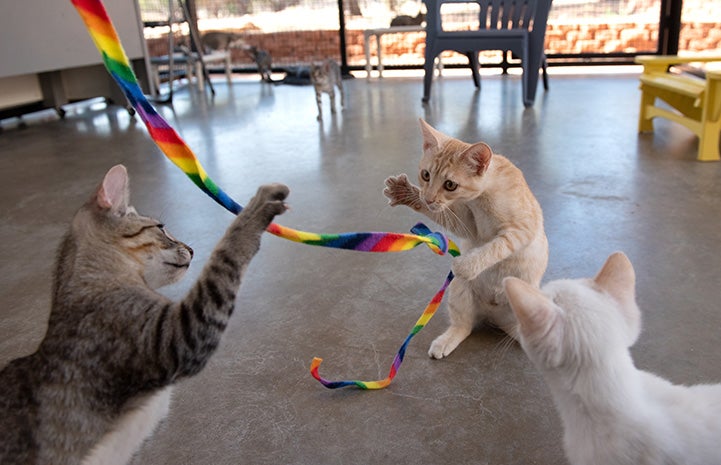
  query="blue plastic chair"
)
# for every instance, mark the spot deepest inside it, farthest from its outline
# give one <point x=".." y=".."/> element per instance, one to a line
<point x="518" y="26"/>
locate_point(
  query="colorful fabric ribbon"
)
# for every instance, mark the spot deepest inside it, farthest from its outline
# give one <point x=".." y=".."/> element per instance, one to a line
<point x="106" y="39"/>
<point x="380" y="384"/>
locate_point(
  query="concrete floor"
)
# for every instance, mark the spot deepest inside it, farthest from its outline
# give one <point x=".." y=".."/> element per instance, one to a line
<point x="602" y="187"/>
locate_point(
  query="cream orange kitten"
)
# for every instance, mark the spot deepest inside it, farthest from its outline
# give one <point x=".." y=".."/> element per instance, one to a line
<point x="482" y="198"/>
<point x="578" y="334"/>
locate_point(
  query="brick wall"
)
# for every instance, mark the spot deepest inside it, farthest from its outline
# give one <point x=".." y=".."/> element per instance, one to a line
<point x="288" y="47"/>
<point x="589" y="37"/>
<point x="297" y="47"/>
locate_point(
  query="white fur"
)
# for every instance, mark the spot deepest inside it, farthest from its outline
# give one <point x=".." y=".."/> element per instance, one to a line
<point x="132" y="429"/>
<point x="577" y="333"/>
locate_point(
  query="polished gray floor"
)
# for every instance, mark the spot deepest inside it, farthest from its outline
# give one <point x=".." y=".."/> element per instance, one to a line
<point x="602" y="187"/>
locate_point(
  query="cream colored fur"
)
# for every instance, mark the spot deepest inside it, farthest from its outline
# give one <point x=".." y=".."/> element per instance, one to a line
<point x="482" y="198"/>
<point x="578" y="334"/>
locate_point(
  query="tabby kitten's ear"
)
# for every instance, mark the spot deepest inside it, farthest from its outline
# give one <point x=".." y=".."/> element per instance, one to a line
<point x="477" y="157"/>
<point x="113" y="193"/>
<point x="432" y="138"/>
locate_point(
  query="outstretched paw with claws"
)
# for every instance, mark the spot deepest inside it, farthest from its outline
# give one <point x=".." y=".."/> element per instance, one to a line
<point x="400" y="191"/>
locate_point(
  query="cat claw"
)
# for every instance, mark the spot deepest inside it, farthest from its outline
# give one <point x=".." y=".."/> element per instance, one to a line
<point x="400" y="191"/>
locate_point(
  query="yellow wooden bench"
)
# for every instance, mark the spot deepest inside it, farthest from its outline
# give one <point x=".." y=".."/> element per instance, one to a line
<point x="695" y="102"/>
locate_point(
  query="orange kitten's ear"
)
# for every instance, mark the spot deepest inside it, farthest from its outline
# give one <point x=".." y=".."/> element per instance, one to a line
<point x="478" y="157"/>
<point x="113" y="192"/>
<point x="432" y="138"/>
<point x="535" y="312"/>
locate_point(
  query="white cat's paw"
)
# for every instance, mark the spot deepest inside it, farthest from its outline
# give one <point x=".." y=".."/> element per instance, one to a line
<point x="443" y="345"/>
<point x="465" y="268"/>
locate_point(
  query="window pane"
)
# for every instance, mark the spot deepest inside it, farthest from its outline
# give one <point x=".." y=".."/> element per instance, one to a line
<point x="700" y="27"/>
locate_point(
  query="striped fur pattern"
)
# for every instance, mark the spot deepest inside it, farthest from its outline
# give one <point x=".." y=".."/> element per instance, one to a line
<point x="326" y="77"/>
<point x="483" y="199"/>
<point x="99" y="381"/>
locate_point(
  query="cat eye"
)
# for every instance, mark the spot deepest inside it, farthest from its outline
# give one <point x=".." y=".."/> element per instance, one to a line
<point x="425" y="175"/>
<point x="160" y="226"/>
<point x="450" y="185"/>
<point x="142" y="229"/>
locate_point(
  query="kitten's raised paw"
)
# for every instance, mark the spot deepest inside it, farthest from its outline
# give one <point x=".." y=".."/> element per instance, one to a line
<point x="400" y="191"/>
<point x="270" y="198"/>
<point x="274" y="191"/>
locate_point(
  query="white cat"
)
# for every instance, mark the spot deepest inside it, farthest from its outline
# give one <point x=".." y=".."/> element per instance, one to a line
<point x="577" y="333"/>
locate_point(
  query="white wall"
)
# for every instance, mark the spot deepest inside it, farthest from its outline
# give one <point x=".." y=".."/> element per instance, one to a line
<point x="48" y="35"/>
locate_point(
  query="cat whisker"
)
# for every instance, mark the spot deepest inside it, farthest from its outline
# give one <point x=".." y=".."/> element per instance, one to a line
<point x="502" y="348"/>
<point x="455" y="223"/>
<point x="446" y="219"/>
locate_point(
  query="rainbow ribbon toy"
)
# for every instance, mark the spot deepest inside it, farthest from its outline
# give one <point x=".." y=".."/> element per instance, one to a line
<point x="106" y="39"/>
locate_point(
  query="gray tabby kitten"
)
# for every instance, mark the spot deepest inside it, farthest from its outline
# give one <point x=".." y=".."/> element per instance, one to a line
<point x="325" y="77"/>
<point x="220" y="40"/>
<point x="100" y="380"/>
<point x="263" y="60"/>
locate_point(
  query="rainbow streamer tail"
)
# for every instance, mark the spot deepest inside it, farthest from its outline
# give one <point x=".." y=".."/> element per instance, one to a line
<point x="116" y="61"/>
<point x="428" y="313"/>
<point x="371" y="241"/>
